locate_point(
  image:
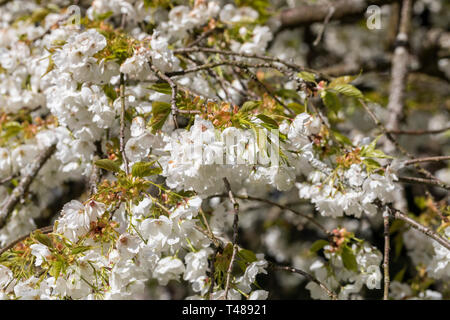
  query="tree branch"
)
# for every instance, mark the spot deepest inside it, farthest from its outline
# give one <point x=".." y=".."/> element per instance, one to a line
<point x="416" y="180"/>
<point x="386" y="256"/>
<point x="428" y="232"/>
<point x="307" y="14"/>
<point x="308" y="276"/>
<point x="426" y="159"/>
<point x="122" y="123"/>
<point x="11" y="245"/>
<point x="24" y="184"/>
<point x="306" y="216"/>
<point x="173" y="100"/>
<point x="399" y="73"/>
<point x="235" y="233"/>
<point x="418" y="132"/>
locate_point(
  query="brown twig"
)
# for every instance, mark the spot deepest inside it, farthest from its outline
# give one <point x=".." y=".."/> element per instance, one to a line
<point x="386" y="256"/>
<point x="269" y="202"/>
<point x="235" y="233"/>
<point x="213" y="270"/>
<point x="427" y="231"/>
<point x="307" y="14"/>
<point x="44" y="230"/>
<point x="310" y="277"/>
<point x="399" y="71"/>
<point x="383" y="129"/>
<point x="416" y="180"/>
<point x="203" y="36"/>
<point x="24" y="184"/>
<point x="244" y="55"/>
<point x="173" y="99"/>
<point x="418" y="132"/>
<point x="122" y="122"/>
<point x="426" y="159"/>
<point x="331" y="11"/>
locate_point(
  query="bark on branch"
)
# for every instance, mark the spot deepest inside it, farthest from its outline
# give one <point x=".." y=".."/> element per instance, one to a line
<point x="308" y="14"/>
<point x="427" y="231"/>
<point x="24" y="184"/>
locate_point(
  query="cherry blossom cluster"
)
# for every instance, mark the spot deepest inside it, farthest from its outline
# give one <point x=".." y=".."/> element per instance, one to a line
<point x="179" y="151"/>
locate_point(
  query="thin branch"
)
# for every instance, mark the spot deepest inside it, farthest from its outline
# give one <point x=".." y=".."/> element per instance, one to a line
<point x="7" y="179"/>
<point x="308" y="14"/>
<point x="243" y="55"/>
<point x="307" y="275"/>
<point x="331" y="11"/>
<point x="173" y="99"/>
<point x="383" y="129"/>
<point x="213" y="270"/>
<point x="434" y="206"/>
<point x="203" y="36"/>
<point x="269" y="92"/>
<point x="45" y="230"/>
<point x="211" y="65"/>
<point x="122" y="122"/>
<point x="427" y="159"/>
<point x="235" y="233"/>
<point x="416" y="180"/>
<point x="306" y="216"/>
<point x="386" y="256"/>
<point x="399" y="71"/>
<point x="418" y="132"/>
<point x="24" y="184"/>
<point x="427" y="231"/>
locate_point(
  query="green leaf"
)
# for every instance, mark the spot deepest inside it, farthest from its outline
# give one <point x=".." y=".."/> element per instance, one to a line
<point x="341" y="138"/>
<point x="330" y="100"/>
<point x="160" y="113"/>
<point x="398" y="244"/>
<point x="56" y="268"/>
<point x="396" y="226"/>
<point x="163" y="87"/>
<point x="318" y="245"/>
<point x="110" y="92"/>
<point x="349" y="259"/>
<point x="288" y="94"/>
<point x="103" y="16"/>
<point x="247" y="255"/>
<point x="249" y="106"/>
<point x="342" y="80"/>
<point x="420" y="202"/>
<point x="370" y="151"/>
<point x="296" y="107"/>
<point x="371" y="164"/>
<point x="399" y="276"/>
<point x="145" y="169"/>
<point x="50" y="67"/>
<point x="39" y="15"/>
<point x="80" y="249"/>
<point x="272" y="124"/>
<point x="44" y="239"/>
<point x="307" y="76"/>
<point x="11" y="129"/>
<point x="107" y="164"/>
<point x="223" y="259"/>
<point x="348" y="90"/>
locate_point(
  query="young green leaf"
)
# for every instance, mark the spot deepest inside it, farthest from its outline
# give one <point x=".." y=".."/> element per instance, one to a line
<point x="349" y="259"/>
<point x="144" y="169"/>
<point x="348" y="90"/>
<point x="318" y="245"/>
<point x="107" y="164"/>
<point x="307" y="76"/>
